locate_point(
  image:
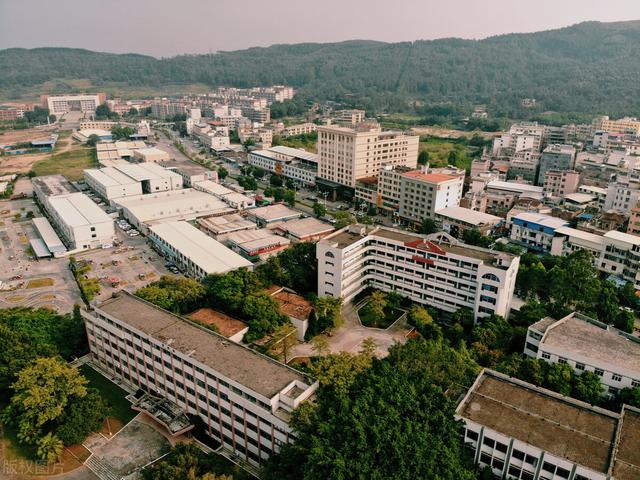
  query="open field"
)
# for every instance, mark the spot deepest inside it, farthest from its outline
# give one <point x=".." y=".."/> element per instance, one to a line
<point x="114" y="395"/>
<point x="70" y="163"/>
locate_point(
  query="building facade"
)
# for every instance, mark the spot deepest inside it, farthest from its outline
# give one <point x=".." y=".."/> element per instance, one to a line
<point x="535" y="231"/>
<point x="556" y="157"/>
<point x="60" y="104"/>
<point x="246" y="410"/>
<point x="436" y="270"/>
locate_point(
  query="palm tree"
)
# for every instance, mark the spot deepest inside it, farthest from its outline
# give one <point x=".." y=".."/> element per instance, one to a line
<point x="50" y="448"/>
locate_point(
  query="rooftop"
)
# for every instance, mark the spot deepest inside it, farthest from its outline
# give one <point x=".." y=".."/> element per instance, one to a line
<point x="51" y="185"/>
<point x="559" y="425"/>
<point x="254" y="240"/>
<point x="273" y="212"/>
<point x="626" y="465"/>
<point x="515" y="187"/>
<point x="212" y="187"/>
<point x="540" y="219"/>
<point x="77" y="210"/>
<point x="305" y="227"/>
<point x="469" y="216"/>
<point x="291" y="304"/>
<point x="145" y="171"/>
<point x="209" y="254"/>
<point x="429" y="177"/>
<point x="48" y="235"/>
<point x="227" y="326"/>
<point x="240" y="364"/>
<point x="296" y="153"/>
<point x="580" y="234"/>
<point x="623" y="237"/>
<point x="588" y="338"/>
<point x="226" y="223"/>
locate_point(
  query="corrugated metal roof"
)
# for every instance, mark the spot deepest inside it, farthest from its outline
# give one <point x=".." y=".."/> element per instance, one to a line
<point x="48" y="235"/>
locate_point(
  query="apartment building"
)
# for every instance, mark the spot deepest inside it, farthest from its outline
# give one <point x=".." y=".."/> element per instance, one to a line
<point x="60" y="104"/>
<point x="435" y="270"/>
<point x="560" y="183"/>
<point x="523" y="136"/>
<point x="296" y="164"/>
<point x="623" y="125"/>
<point x="526" y="432"/>
<point x="299" y="129"/>
<point x="164" y="108"/>
<point x="586" y="344"/>
<point x="347" y="154"/>
<point x="456" y="220"/>
<point x="535" y="231"/>
<point x="623" y="192"/>
<point x="245" y="399"/>
<point x="523" y="165"/>
<point x="350" y="117"/>
<point x="634" y="221"/>
<point x="599" y="193"/>
<point x="423" y="194"/>
<point x="555" y="157"/>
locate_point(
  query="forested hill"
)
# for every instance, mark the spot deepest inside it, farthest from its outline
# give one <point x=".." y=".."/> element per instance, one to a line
<point x="590" y="67"/>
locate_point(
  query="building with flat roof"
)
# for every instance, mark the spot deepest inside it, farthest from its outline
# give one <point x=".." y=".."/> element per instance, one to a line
<point x="172" y="205"/>
<point x="220" y="226"/>
<point x="227" y="326"/>
<point x="535" y="231"/>
<point x="296" y="164"/>
<point x="294" y="306"/>
<point x="119" y="150"/>
<point x="190" y="172"/>
<point x="435" y="270"/>
<point x="256" y="245"/>
<point x="234" y="199"/>
<point x="51" y="186"/>
<point x="561" y="183"/>
<point x="51" y="240"/>
<point x="80" y="222"/>
<point x="151" y="154"/>
<point x="527" y="432"/>
<point x="129" y="179"/>
<point x="304" y="229"/>
<point x="272" y="213"/>
<point x="556" y="157"/>
<point x="197" y="254"/>
<point x="348" y="154"/>
<point x="245" y="399"/>
<point x="456" y="220"/>
<point x="60" y="104"/>
<point x="586" y="344"/>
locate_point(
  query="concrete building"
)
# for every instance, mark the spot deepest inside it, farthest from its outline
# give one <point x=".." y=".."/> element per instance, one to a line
<point x="50" y="238"/>
<point x="535" y="231"/>
<point x="256" y="245"/>
<point x="435" y="270"/>
<point x="294" y="163"/>
<point x="586" y="344"/>
<point x="351" y="117"/>
<point x="191" y="173"/>
<point x="197" y="254"/>
<point x="556" y="157"/>
<point x="304" y="229"/>
<point x="634" y="221"/>
<point x="50" y="186"/>
<point x="526" y="432"/>
<point x="245" y="399"/>
<point x="294" y="306"/>
<point x="456" y="220"/>
<point x="150" y="154"/>
<point x="299" y="129"/>
<point x="270" y="214"/>
<point x="623" y="125"/>
<point x="80" y="222"/>
<point x="559" y="184"/>
<point x="120" y="150"/>
<point x="598" y="192"/>
<point x="348" y="154"/>
<point x="172" y="205"/>
<point x="424" y="194"/>
<point x="220" y="227"/>
<point x="60" y="104"/>
<point x="623" y="192"/>
<point x="235" y="200"/>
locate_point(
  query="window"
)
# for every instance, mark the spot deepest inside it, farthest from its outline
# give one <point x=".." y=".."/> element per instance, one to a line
<point x="329" y="254"/>
<point x="579" y="366"/>
<point x="518" y="454"/>
<point x="598" y="372"/>
<point x="546" y="356"/>
<point x="562" y="360"/>
<point x="488" y="442"/>
<point x="616" y="378"/>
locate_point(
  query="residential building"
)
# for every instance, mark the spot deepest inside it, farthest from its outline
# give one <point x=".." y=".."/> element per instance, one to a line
<point x="526" y="432"/>
<point x="599" y="193"/>
<point x="523" y="166"/>
<point x="535" y="231"/>
<point x="8" y="114"/>
<point x="80" y="222"/>
<point x="351" y="117"/>
<point x="521" y="136"/>
<point x="561" y="183"/>
<point x="634" y="221"/>
<point x="556" y="157"/>
<point x="423" y="194"/>
<point x="587" y="345"/>
<point x="61" y="104"/>
<point x="197" y="254"/>
<point x="456" y="220"/>
<point x="347" y="154"/>
<point x="299" y="129"/>
<point x="623" y="125"/>
<point x="245" y="399"/>
<point x="623" y="192"/>
<point x="296" y="164"/>
<point x="172" y="205"/>
<point x="164" y="108"/>
<point x="435" y="270"/>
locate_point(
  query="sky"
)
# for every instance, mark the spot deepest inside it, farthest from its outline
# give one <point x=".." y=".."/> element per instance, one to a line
<point x="165" y="28"/>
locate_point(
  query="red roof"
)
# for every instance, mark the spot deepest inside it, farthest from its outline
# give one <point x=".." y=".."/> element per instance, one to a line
<point x="429" y="177"/>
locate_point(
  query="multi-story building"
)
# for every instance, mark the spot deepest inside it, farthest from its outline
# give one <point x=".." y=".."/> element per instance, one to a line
<point x="623" y="125"/>
<point x="525" y="432"/>
<point x="164" y="108"/>
<point x="245" y="399"/>
<point x="435" y="270"/>
<point x="623" y="192"/>
<point x="347" y="154"/>
<point x="456" y="220"/>
<point x="559" y="184"/>
<point x="523" y="165"/>
<point x="521" y="136"/>
<point x="535" y="231"/>
<point x="634" y="221"/>
<point x="599" y="193"/>
<point x="556" y="157"/>
<point x="131" y="179"/>
<point x="587" y="345"/>
<point x="423" y="194"/>
<point x="294" y="163"/>
<point x="60" y="104"/>
<point x="299" y="129"/>
<point x="8" y="114"/>
<point x="350" y="117"/>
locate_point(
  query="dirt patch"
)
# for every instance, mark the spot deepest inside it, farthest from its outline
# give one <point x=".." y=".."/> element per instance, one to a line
<point x="225" y="325"/>
<point x="40" y="283"/>
<point x="111" y="426"/>
<point x="15" y="298"/>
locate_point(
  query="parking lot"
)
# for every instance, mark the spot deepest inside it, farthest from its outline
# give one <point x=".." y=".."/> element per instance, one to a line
<point x="27" y="281"/>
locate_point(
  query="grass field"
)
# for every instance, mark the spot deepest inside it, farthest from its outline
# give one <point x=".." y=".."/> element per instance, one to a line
<point x="40" y="282"/>
<point x="439" y="150"/>
<point x="114" y="395"/>
<point x="70" y="164"/>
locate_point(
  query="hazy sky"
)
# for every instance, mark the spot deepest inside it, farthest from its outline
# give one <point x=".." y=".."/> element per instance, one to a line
<point x="170" y="27"/>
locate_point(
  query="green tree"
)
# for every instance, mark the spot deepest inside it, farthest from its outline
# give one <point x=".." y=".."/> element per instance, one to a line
<point x="472" y="236"/>
<point x="326" y="315"/>
<point x="290" y="197"/>
<point x="423" y="158"/>
<point x="424" y="323"/>
<point x="262" y="314"/>
<point x="428" y="226"/>
<point x="222" y="173"/>
<point x="587" y="387"/>
<point x="178" y="295"/>
<point x="295" y="268"/>
<point x="338" y="371"/>
<point x="82" y="416"/>
<point x="559" y="378"/>
<point x="50" y="448"/>
<point x="93" y="140"/>
<point x="625" y="321"/>
<point x="377" y="303"/>
<point x="574" y="281"/>
<point x="319" y="210"/>
<point x="275" y="181"/>
<point x="343" y="219"/>
<point x="118" y="132"/>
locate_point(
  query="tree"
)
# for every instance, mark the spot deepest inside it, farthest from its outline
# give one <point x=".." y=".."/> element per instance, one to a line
<point x="424" y="323"/>
<point x="178" y="295"/>
<point x="50" y="448"/>
<point x="295" y="268"/>
<point x="275" y="180"/>
<point x="42" y="391"/>
<point x="119" y="132"/>
<point x="222" y="173"/>
<point x="377" y="303"/>
<point x="574" y="281"/>
<point x="319" y="210"/>
<point x="343" y="219"/>
<point x="423" y="158"/>
<point x="338" y="371"/>
<point x="185" y="461"/>
<point x="428" y="226"/>
<point x="262" y="314"/>
<point x="82" y="416"/>
<point x="559" y="378"/>
<point x="326" y="315"/>
<point x="290" y="197"/>
<point x="368" y="347"/>
<point x="587" y="387"/>
<point x="103" y="113"/>
<point x="472" y="236"/>
<point x="320" y="345"/>
<point x="93" y="140"/>
<point x="625" y="321"/>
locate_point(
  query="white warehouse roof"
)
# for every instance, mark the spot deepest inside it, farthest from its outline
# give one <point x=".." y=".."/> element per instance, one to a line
<point x="76" y="210"/>
<point x="209" y="254"/>
<point x="468" y="216"/>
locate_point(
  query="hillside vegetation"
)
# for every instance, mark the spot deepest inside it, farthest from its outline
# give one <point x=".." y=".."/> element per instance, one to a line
<point x="586" y="68"/>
